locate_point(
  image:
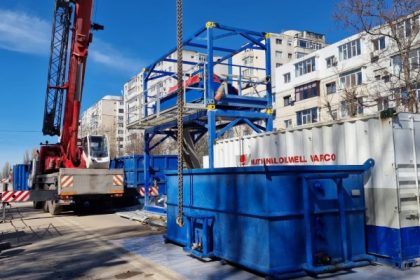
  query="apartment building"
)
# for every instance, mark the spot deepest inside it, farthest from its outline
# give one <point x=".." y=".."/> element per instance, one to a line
<point x="285" y="47"/>
<point x="358" y="75"/>
<point x="106" y="117"/>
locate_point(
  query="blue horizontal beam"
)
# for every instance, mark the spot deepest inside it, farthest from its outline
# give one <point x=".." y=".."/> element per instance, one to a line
<point x="242" y="114"/>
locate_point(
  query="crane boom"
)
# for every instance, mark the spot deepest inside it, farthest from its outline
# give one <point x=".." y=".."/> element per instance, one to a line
<point x="57" y="69"/>
<point x="81" y="38"/>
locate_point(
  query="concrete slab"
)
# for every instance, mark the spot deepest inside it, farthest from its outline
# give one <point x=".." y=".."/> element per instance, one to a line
<point x="174" y="258"/>
<point x="171" y="256"/>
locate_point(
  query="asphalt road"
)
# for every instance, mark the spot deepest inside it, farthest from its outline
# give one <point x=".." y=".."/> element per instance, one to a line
<point x="73" y="247"/>
<point x="106" y="246"/>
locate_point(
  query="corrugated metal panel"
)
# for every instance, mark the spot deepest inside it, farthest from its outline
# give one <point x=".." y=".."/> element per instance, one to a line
<point x="20" y="177"/>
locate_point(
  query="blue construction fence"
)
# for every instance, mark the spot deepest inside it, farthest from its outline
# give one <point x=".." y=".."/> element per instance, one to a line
<point x="20" y="177"/>
<point x="133" y="167"/>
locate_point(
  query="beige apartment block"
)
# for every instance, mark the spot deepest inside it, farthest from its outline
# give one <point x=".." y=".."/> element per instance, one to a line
<point x="285" y="47"/>
<point x="359" y="75"/>
<point x="106" y="117"/>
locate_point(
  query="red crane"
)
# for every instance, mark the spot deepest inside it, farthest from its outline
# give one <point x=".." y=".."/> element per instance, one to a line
<point x="67" y="153"/>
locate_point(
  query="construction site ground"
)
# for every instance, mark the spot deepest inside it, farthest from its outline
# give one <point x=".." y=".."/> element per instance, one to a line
<point x="106" y="246"/>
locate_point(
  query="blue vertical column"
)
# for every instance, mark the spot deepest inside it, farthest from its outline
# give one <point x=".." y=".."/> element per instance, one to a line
<point x="269" y="88"/>
<point x="146" y="167"/>
<point x="210" y="53"/>
<point x="211" y="131"/>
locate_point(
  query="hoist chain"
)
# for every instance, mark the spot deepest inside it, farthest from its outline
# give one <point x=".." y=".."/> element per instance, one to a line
<point x="180" y="107"/>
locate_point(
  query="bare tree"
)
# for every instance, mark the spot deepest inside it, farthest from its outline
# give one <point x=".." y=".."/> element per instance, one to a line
<point x="135" y="144"/>
<point x="6" y="170"/>
<point x="399" y="22"/>
<point x="26" y="157"/>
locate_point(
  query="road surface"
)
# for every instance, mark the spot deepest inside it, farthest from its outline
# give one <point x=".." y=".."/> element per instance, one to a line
<point x="106" y="246"/>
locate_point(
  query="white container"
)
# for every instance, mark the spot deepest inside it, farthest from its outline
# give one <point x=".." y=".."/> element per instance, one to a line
<point x="391" y="189"/>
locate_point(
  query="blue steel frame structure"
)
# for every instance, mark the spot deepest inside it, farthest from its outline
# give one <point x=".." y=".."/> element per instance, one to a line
<point x="214" y="117"/>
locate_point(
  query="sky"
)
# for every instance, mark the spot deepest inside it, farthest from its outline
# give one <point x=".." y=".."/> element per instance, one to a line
<point x="137" y="32"/>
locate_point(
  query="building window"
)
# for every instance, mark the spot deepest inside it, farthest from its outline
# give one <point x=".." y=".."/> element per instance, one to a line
<point x="278" y="64"/>
<point x="247" y="73"/>
<point x="278" y="54"/>
<point x="120" y="118"/>
<point x="289" y="42"/>
<point x="405" y="27"/>
<point x="396" y="64"/>
<point x="286" y="78"/>
<point x="352" y="107"/>
<point x="249" y="60"/>
<point x="201" y="58"/>
<point x="289" y="55"/>
<point x="287" y="123"/>
<point x="299" y="54"/>
<point x="349" y="49"/>
<point x="305" y="67"/>
<point x="360" y="106"/>
<point x="334" y="114"/>
<point x="307" y="116"/>
<point x="287" y="100"/>
<point x="309" y="45"/>
<point x="344" y="109"/>
<point x="414" y="58"/>
<point x="383" y="103"/>
<point x="279" y="41"/>
<point x="120" y="131"/>
<point x="351" y="79"/>
<point x="307" y="91"/>
<point x="379" y="44"/>
<point x="331" y="88"/>
<point x="331" y="61"/>
<point x="120" y="110"/>
<point x="120" y="125"/>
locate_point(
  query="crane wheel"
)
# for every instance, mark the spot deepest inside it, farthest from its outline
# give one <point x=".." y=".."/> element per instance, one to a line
<point x="53" y="208"/>
<point x="38" y="204"/>
<point x="45" y="207"/>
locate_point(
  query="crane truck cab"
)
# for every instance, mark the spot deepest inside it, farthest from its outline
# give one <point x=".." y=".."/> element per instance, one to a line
<point x="96" y="151"/>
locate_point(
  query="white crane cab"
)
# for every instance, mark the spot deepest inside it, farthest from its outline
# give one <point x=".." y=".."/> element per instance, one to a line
<point x="96" y="151"/>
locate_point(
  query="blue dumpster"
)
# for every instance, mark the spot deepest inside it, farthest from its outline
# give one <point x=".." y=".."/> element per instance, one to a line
<point x="276" y="220"/>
